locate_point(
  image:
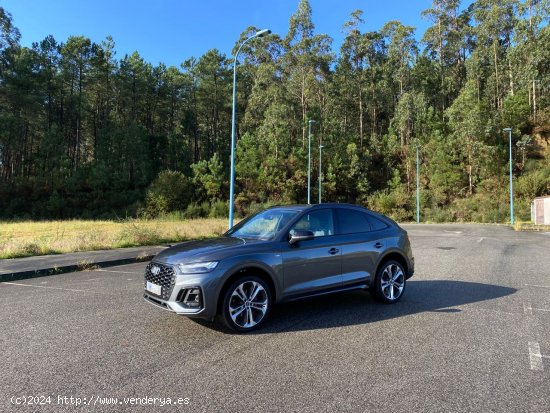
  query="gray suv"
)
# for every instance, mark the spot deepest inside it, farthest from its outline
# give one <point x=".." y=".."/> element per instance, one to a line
<point x="280" y="254"/>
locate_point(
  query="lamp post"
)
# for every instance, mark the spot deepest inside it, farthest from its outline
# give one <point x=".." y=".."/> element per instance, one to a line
<point x="509" y="130"/>
<point x="320" y="175"/>
<point x="309" y="162"/>
<point x="233" y="117"/>
<point x="417" y="187"/>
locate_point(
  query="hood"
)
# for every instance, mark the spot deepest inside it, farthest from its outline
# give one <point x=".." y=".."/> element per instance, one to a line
<point x="190" y="251"/>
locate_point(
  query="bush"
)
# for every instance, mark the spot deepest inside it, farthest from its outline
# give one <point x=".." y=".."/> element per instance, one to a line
<point x="395" y="204"/>
<point x="436" y="214"/>
<point x="481" y="208"/>
<point x="219" y="209"/>
<point x="531" y="185"/>
<point x="170" y="191"/>
<point x="195" y="211"/>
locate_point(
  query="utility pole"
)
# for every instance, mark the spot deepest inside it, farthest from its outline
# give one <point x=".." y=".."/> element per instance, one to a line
<point x="309" y="163"/>
<point x="417" y="186"/>
<point x="320" y="171"/>
<point x="509" y="130"/>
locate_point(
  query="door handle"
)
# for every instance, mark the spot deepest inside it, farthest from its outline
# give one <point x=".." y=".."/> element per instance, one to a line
<point x="378" y="245"/>
<point x="333" y="251"/>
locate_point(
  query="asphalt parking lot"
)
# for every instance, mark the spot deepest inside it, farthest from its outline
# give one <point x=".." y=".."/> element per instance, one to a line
<point x="471" y="334"/>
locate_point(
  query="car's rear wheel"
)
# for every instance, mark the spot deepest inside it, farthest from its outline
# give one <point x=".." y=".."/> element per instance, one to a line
<point x="246" y="304"/>
<point x="390" y="282"/>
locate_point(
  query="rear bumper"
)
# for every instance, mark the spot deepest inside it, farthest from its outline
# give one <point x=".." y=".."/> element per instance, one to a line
<point x="410" y="271"/>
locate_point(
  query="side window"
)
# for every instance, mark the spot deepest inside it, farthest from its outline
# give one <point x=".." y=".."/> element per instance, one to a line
<point x="352" y="221"/>
<point x="319" y="222"/>
<point x="376" y="224"/>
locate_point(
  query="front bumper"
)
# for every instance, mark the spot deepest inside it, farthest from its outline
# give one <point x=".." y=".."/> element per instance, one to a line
<point x="175" y="291"/>
<point x="173" y="306"/>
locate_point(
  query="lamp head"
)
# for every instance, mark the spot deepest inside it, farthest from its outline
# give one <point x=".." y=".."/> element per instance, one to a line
<point x="262" y="32"/>
<point x="507" y="129"/>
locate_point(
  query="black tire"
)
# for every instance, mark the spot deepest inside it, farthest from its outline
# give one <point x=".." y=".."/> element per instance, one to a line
<point x="384" y="289"/>
<point x="255" y="306"/>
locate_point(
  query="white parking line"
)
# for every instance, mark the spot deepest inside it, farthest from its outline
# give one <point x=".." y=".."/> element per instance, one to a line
<point x="528" y="308"/>
<point x="49" y="288"/>
<point x="535" y="358"/>
<point x="119" y="272"/>
<point x="538" y="286"/>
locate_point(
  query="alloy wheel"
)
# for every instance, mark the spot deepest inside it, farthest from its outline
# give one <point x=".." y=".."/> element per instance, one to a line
<point x="392" y="282"/>
<point x="248" y="304"/>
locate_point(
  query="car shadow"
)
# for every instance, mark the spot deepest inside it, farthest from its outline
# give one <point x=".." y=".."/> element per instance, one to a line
<point x="359" y="307"/>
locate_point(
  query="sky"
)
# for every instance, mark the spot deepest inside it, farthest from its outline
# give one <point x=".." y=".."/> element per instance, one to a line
<point x="171" y="31"/>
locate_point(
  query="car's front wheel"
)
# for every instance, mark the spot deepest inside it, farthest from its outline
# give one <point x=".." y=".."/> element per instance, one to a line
<point x="246" y="304"/>
<point x="390" y="282"/>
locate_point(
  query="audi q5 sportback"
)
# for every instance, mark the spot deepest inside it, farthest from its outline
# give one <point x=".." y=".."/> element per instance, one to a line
<point x="281" y="254"/>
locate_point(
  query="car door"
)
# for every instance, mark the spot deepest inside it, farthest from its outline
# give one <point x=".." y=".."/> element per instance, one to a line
<point x="362" y="241"/>
<point x="313" y="265"/>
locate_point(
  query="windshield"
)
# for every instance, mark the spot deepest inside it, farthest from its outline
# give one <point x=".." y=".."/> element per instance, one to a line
<point x="264" y="225"/>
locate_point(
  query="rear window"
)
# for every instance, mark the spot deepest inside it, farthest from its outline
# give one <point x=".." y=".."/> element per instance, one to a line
<point x="352" y="221"/>
<point x="376" y="224"/>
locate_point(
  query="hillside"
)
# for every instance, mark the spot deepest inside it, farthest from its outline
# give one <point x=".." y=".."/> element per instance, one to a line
<point x="87" y="135"/>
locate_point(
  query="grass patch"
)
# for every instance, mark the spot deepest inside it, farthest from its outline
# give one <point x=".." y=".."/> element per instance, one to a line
<point x="28" y="238"/>
<point x="529" y="226"/>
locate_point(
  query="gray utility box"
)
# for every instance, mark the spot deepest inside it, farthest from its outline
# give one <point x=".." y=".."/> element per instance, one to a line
<point x="540" y="210"/>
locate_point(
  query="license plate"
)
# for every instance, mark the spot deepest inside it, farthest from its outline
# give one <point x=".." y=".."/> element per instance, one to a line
<point x="153" y="288"/>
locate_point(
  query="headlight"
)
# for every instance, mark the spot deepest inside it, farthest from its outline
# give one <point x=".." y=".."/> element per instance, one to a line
<point x="197" y="267"/>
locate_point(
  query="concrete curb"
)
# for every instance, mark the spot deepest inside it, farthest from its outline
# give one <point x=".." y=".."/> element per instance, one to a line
<point x="63" y="269"/>
<point x="44" y="265"/>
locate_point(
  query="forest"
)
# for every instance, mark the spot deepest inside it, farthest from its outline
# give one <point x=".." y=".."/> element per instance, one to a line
<point x="85" y="134"/>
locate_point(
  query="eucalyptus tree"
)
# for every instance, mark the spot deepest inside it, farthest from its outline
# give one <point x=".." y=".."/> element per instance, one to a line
<point x="306" y="63"/>
<point x="446" y="42"/>
<point x="496" y="20"/>
<point x="402" y="50"/>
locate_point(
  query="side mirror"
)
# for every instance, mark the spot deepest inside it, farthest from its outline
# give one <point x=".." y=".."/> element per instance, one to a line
<point x="300" y="235"/>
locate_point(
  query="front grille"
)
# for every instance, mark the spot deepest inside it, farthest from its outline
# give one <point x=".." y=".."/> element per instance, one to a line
<point x="165" y="277"/>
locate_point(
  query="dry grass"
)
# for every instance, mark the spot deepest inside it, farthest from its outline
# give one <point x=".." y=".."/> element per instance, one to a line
<point x="529" y="226"/>
<point x="24" y="239"/>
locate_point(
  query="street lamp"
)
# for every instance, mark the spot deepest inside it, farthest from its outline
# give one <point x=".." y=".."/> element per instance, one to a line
<point x="232" y="178"/>
<point x="509" y="130"/>
<point x="309" y="163"/>
<point x="320" y="176"/>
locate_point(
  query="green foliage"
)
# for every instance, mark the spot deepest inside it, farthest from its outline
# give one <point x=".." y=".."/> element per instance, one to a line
<point x="219" y="209"/>
<point x="196" y="211"/>
<point x="394" y="202"/>
<point x="84" y="134"/>
<point x="170" y="191"/>
<point x="533" y="184"/>
<point x="516" y="110"/>
<point x="208" y="178"/>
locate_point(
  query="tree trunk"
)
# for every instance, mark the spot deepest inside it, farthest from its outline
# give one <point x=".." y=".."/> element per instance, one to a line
<point x="496" y="74"/>
<point x="511" y="78"/>
<point x="534" y="102"/>
<point x="470" y="184"/>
